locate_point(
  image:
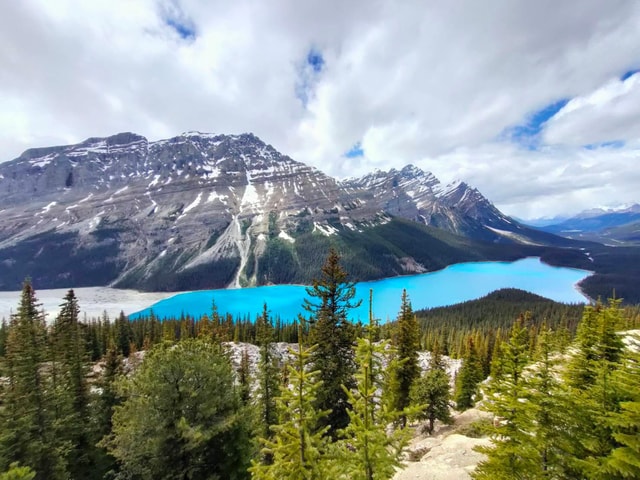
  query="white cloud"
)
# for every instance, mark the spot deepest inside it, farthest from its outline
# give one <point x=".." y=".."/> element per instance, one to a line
<point x="610" y="113"/>
<point x="433" y="83"/>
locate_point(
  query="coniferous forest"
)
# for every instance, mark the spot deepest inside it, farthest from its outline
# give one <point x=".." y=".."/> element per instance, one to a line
<point x="149" y="399"/>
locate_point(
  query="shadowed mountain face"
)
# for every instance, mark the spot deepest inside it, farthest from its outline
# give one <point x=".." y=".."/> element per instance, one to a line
<point x="204" y="211"/>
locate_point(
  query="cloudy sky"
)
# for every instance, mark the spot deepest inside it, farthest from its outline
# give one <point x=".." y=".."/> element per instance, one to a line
<point x="535" y="103"/>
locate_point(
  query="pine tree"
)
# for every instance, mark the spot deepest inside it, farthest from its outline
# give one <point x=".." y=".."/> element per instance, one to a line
<point x="104" y="406"/>
<point x="268" y="373"/>
<point x="511" y="454"/>
<point x="593" y="394"/>
<point x="334" y="335"/>
<point x="4" y="328"/>
<point x="433" y="393"/>
<point x="468" y="378"/>
<point x="182" y="417"/>
<point x="72" y="398"/>
<point x="406" y="341"/>
<point x="298" y="446"/>
<point x="27" y="433"/>
<point x="546" y="409"/>
<point x="244" y="378"/>
<point x="624" y="459"/>
<point x="368" y="450"/>
<point x="123" y="335"/>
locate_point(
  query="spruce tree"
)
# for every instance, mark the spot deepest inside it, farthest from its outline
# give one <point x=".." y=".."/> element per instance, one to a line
<point x="123" y="335"/>
<point x="182" y="417"/>
<point x="72" y="397"/>
<point x="331" y="298"/>
<point x="104" y="406"/>
<point x="546" y="409"/>
<point x="268" y="376"/>
<point x="468" y="378"/>
<point x="624" y="459"/>
<point x="593" y="394"/>
<point x="406" y="342"/>
<point x="432" y="392"/>
<point x="367" y="449"/>
<point x="298" y="447"/>
<point x="511" y="454"/>
<point x="27" y="430"/>
<point x="4" y="328"/>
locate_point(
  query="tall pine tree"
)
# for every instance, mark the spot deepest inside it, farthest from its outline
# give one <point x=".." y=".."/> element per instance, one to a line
<point x="368" y="450"/>
<point x="268" y="377"/>
<point x="432" y="392"/>
<point x="511" y="454"/>
<point x="27" y="430"/>
<point x="624" y="459"/>
<point x="331" y="298"/>
<point x="72" y="392"/>
<point x="406" y="341"/>
<point x="298" y="447"/>
<point x="468" y="378"/>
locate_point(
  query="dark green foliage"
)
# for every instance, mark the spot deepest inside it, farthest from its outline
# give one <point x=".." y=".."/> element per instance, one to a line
<point x="277" y="264"/>
<point x="624" y="459"/>
<point x="71" y="395"/>
<point x="405" y="340"/>
<point x="123" y="335"/>
<point x="511" y="453"/>
<point x="27" y="429"/>
<point x="598" y="355"/>
<point x="298" y="446"/>
<point x="573" y="421"/>
<point x="367" y="449"/>
<point x="331" y="297"/>
<point x="268" y="376"/>
<point x="104" y="404"/>
<point x="4" y="329"/>
<point x="468" y="378"/>
<point x="489" y="319"/>
<point x="172" y="426"/>
<point x="432" y="392"/>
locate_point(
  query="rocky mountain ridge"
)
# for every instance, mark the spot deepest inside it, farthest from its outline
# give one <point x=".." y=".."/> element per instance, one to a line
<point x="210" y="211"/>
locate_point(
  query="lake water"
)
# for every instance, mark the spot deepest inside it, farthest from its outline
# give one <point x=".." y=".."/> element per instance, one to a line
<point x="454" y="284"/>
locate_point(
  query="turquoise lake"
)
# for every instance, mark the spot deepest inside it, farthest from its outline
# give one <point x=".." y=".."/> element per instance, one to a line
<point x="454" y="284"/>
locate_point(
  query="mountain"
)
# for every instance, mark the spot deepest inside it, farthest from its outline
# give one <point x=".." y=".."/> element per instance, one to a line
<point x="608" y="226"/>
<point x="207" y="211"/>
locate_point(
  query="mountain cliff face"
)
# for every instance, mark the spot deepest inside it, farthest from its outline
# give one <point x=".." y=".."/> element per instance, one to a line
<point x="202" y="210"/>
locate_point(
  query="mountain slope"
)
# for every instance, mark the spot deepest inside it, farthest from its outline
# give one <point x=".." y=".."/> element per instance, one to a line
<point x="611" y="227"/>
<point x="208" y="211"/>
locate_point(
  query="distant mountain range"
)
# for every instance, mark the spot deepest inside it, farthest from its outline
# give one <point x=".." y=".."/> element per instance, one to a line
<point x="609" y="226"/>
<point x="209" y="211"/>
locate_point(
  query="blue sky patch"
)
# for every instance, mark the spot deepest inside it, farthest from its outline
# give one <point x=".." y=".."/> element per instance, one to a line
<point x="610" y="144"/>
<point x="628" y="74"/>
<point x="185" y="30"/>
<point x="355" y="151"/>
<point x="315" y="60"/>
<point x="528" y="134"/>
<point x="309" y="70"/>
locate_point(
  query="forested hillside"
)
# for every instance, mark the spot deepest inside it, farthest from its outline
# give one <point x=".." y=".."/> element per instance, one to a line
<point x="146" y="399"/>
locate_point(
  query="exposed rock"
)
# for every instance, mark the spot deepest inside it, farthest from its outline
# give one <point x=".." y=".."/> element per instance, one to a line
<point x="451" y="459"/>
<point x="446" y="455"/>
<point x="204" y="211"/>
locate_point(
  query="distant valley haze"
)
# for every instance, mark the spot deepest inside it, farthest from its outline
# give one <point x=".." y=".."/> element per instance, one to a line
<point x="535" y="104"/>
